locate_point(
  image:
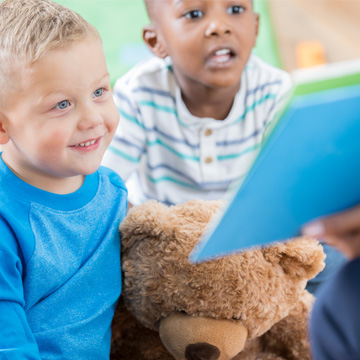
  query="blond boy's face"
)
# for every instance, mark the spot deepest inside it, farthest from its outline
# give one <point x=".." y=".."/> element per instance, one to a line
<point x="64" y="118"/>
<point x="209" y="41"/>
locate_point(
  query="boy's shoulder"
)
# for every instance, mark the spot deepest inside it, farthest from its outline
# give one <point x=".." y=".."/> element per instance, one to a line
<point x="259" y="72"/>
<point x="152" y="72"/>
<point x="113" y="177"/>
<point x="255" y="63"/>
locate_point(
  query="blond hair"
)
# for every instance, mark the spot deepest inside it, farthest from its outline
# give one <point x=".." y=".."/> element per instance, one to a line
<point x="31" y="28"/>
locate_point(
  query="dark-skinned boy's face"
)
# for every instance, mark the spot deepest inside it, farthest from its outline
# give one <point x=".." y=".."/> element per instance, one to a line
<point x="209" y="41"/>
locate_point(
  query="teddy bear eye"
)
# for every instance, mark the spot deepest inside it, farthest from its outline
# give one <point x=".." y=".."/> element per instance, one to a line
<point x="236" y="317"/>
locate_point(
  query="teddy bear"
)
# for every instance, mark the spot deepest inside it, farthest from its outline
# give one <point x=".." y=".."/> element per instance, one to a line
<point x="248" y="305"/>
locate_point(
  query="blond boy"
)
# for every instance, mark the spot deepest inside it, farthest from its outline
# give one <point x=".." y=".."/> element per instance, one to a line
<point x="59" y="212"/>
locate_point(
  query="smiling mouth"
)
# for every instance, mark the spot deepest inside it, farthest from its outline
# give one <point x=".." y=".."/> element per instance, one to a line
<point x="86" y="144"/>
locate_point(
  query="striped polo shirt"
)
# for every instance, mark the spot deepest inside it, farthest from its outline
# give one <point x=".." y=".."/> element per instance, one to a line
<point x="163" y="152"/>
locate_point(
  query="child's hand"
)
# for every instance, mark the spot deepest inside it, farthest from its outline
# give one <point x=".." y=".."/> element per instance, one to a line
<point x="341" y="230"/>
<point x="129" y="206"/>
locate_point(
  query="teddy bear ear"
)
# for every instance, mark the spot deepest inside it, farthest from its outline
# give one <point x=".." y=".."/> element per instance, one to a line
<point x="301" y="257"/>
<point x="150" y="219"/>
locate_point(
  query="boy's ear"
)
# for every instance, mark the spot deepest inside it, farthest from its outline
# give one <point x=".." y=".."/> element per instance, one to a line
<point x="257" y="23"/>
<point x="4" y="137"/>
<point x="153" y="41"/>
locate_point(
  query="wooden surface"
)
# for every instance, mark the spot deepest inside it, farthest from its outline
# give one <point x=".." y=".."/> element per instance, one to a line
<point x="335" y="24"/>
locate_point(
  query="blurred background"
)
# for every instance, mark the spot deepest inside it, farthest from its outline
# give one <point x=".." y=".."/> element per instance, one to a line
<point x="293" y="33"/>
<point x="311" y="32"/>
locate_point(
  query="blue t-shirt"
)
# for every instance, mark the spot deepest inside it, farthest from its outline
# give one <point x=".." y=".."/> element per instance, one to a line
<point x="60" y="275"/>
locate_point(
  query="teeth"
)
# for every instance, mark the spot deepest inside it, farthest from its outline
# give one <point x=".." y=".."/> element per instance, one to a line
<point x="221" y="59"/>
<point x="222" y="52"/>
<point x="87" y="143"/>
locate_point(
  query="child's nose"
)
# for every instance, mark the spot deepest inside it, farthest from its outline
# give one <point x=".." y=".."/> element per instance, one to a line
<point x="89" y="119"/>
<point x="217" y="27"/>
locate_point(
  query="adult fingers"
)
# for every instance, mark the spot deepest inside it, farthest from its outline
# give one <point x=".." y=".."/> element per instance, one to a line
<point x="338" y="224"/>
<point x="348" y="244"/>
<point x="342" y="223"/>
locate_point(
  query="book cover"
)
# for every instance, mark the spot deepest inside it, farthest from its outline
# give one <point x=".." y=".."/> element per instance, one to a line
<point x="308" y="167"/>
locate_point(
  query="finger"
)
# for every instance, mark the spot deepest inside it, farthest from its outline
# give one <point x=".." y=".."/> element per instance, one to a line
<point x="337" y="224"/>
<point x="314" y="229"/>
<point x="351" y="246"/>
<point x="331" y="240"/>
<point x="342" y="223"/>
<point x="348" y="244"/>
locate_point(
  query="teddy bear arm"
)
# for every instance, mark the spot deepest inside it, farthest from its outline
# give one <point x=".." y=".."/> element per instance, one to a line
<point x="289" y="337"/>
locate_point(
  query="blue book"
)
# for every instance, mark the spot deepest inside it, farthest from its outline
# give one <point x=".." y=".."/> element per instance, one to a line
<point x="308" y="167"/>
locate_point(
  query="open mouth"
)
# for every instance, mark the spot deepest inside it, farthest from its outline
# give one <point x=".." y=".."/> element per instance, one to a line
<point x="221" y="56"/>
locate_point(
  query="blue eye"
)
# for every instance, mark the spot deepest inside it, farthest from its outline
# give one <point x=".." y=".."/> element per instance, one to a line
<point x="98" y="92"/>
<point x="194" y="14"/>
<point x="63" y="104"/>
<point x="237" y="9"/>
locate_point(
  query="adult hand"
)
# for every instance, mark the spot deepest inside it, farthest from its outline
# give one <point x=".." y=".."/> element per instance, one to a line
<point x="341" y="230"/>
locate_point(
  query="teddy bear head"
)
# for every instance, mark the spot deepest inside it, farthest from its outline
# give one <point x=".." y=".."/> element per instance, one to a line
<point x="246" y="292"/>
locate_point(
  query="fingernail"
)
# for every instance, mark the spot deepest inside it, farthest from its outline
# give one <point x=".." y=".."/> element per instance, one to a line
<point x="315" y="229"/>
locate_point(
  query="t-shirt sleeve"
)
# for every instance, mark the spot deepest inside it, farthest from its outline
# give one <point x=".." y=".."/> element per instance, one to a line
<point x="16" y="338"/>
<point x="129" y="143"/>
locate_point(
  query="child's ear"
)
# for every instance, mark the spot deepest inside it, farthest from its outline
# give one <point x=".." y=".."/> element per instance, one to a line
<point x="153" y="41"/>
<point x="257" y="23"/>
<point x="256" y="27"/>
<point x="4" y="137"/>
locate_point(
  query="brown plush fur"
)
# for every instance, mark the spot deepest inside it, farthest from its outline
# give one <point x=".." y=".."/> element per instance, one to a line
<point x="258" y="296"/>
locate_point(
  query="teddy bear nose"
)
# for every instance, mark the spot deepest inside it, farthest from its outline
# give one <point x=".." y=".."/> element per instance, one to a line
<point x="202" y="351"/>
